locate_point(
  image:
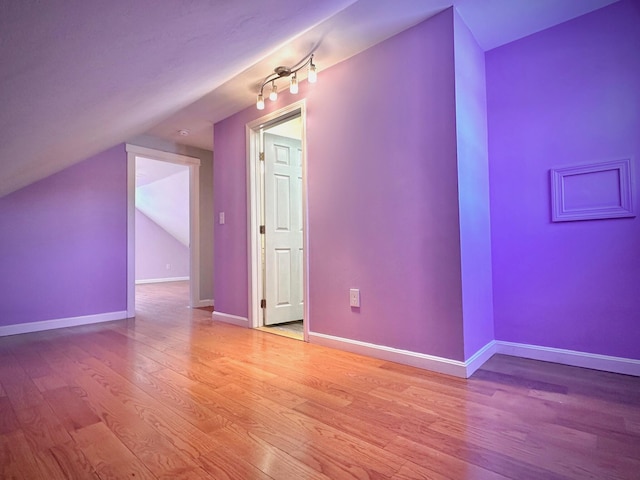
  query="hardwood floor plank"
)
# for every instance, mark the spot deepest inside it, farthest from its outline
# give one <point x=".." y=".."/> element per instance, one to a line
<point x="127" y="422"/>
<point x="50" y="469"/>
<point x="108" y="456"/>
<point x="224" y="464"/>
<point x="475" y="409"/>
<point x="411" y="471"/>
<point x="455" y="459"/>
<point x="178" y="401"/>
<point x="259" y="421"/>
<point x="41" y="427"/>
<point x="342" y="465"/>
<point x="31" y="363"/>
<point x="49" y="382"/>
<point x="370" y="432"/>
<point x="8" y="420"/>
<point x="16" y="458"/>
<point x="119" y="352"/>
<point x="310" y="391"/>
<point x="172" y="394"/>
<point x="274" y="462"/>
<point x="164" y="442"/>
<point x="333" y="442"/>
<point x="566" y="460"/>
<point x="72" y="461"/>
<point x="22" y="393"/>
<point x="70" y="407"/>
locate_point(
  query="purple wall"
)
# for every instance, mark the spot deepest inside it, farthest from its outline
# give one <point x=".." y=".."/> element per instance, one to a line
<point x="383" y="199"/>
<point x="64" y="243"/>
<point x="565" y="96"/>
<point x="230" y="252"/>
<point x="473" y="190"/>
<point x="155" y="249"/>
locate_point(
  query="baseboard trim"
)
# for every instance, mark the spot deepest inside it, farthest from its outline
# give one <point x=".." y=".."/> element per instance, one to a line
<point x="626" y="366"/>
<point x="405" y="357"/>
<point x="60" y="323"/>
<point x="232" y="319"/>
<point x="207" y="302"/>
<point x="479" y="358"/>
<point x="161" y="280"/>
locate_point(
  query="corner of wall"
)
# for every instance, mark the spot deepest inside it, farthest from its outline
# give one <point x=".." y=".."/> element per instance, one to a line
<point x="473" y="189"/>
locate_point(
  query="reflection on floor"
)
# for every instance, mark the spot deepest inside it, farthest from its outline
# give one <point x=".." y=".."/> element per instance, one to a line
<point x="290" y="329"/>
<point x="162" y="296"/>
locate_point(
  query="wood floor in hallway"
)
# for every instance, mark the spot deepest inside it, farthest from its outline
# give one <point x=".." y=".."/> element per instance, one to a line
<point x="173" y="395"/>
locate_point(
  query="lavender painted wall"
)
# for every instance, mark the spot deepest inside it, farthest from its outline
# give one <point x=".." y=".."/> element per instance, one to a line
<point x="155" y="249"/>
<point x="383" y="199"/>
<point x="565" y="96"/>
<point x="64" y="242"/>
<point x="473" y="189"/>
<point x="230" y="276"/>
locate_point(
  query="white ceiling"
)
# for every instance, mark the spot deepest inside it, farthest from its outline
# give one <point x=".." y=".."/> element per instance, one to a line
<point x="78" y="77"/>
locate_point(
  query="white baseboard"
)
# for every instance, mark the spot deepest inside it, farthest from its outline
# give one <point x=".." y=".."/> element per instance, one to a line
<point x="228" y="318"/>
<point x="208" y="302"/>
<point x="626" y="366"/>
<point x="479" y="358"/>
<point x="161" y="280"/>
<point x="60" y="323"/>
<point x="405" y="357"/>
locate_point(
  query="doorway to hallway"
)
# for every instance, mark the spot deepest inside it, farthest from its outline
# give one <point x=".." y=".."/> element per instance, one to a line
<point x="162" y="230"/>
<point x="141" y="155"/>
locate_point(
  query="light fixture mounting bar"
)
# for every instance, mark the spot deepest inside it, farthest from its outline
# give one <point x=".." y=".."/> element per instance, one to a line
<point x="282" y="72"/>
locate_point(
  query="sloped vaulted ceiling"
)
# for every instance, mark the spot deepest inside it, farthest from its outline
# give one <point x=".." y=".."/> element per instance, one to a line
<point x="78" y="76"/>
<point x="162" y="194"/>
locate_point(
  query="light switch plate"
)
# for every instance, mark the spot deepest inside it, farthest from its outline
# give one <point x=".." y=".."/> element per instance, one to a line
<point x="354" y="297"/>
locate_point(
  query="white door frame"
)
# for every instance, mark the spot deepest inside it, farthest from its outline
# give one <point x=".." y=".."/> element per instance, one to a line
<point x="253" y="212"/>
<point x="134" y="151"/>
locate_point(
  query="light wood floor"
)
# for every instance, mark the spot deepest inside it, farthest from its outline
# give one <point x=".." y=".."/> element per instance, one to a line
<point x="173" y="395"/>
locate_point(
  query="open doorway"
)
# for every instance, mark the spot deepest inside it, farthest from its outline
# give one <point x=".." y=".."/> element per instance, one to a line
<point x="162" y="225"/>
<point x="161" y="231"/>
<point x="282" y="241"/>
<point x="277" y="164"/>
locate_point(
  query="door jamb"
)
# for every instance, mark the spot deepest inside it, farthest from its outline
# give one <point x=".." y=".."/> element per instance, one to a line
<point x="193" y="163"/>
<point x="255" y="287"/>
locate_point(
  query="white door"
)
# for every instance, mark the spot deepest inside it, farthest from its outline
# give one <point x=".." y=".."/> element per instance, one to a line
<point x="283" y="229"/>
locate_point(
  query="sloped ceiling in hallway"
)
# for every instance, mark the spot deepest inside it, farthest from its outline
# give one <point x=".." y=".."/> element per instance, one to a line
<point x="162" y="194"/>
<point x="77" y="77"/>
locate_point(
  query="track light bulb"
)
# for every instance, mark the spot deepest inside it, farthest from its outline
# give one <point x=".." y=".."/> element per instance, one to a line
<point x="260" y="102"/>
<point x="313" y="73"/>
<point x="273" y="96"/>
<point x="293" y="86"/>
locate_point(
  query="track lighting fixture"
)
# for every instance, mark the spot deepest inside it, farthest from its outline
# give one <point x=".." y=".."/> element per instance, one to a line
<point x="283" y="72"/>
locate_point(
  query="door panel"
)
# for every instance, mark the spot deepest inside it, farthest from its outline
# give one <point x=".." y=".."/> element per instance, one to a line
<point x="283" y="277"/>
<point x="283" y="229"/>
<point x="282" y="205"/>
